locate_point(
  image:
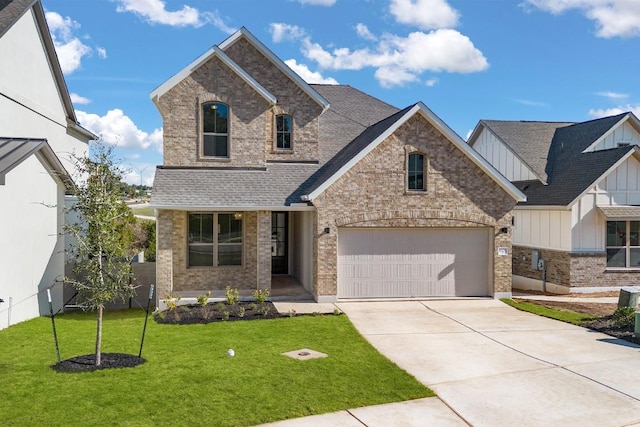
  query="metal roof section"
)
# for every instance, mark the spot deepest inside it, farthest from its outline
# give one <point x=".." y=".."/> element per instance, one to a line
<point x="243" y="32"/>
<point x="388" y="127"/>
<point x="14" y="151"/>
<point x="214" y="52"/>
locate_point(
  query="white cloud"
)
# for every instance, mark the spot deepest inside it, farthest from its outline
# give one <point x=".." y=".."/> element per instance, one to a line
<point x="431" y="82"/>
<point x="309" y="76"/>
<point x="399" y="60"/>
<point x="424" y="14"/>
<point x="363" y="31"/>
<point x="612" y="95"/>
<point x="155" y="12"/>
<point x="69" y="48"/>
<point x="530" y="102"/>
<point x="281" y="32"/>
<point x="318" y="2"/>
<point x="102" y="52"/>
<point x="604" y="112"/>
<point x="80" y="100"/>
<point x="115" y="128"/>
<point x="613" y="18"/>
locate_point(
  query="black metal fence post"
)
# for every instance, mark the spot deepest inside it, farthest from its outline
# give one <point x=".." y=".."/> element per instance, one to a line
<point x="53" y="323"/>
<point x="144" y="330"/>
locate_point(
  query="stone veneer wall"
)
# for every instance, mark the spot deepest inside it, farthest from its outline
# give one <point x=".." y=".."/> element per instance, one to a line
<point x="458" y="194"/>
<point x="174" y="276"/>
<point x="576" y="270"/>
<point x="292" y="100"/>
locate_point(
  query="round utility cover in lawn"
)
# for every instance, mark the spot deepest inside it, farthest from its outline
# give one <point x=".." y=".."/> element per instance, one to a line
<point x="414" y="262"/>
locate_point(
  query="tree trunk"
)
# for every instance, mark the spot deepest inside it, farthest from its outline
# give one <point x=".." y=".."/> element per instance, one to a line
<point x="99" y="336"/>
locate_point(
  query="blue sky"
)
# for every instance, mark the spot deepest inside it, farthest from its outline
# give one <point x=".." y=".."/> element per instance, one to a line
<point x="556" y="60"/>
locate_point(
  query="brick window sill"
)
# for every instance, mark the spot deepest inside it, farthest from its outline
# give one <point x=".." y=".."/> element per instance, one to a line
<point x="621" y="270"/>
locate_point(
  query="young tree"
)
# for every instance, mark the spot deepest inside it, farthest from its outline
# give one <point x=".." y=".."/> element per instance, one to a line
<point x="104" y="237"/>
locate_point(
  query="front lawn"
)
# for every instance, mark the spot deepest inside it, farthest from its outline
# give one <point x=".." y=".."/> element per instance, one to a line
<point x="188" y="379"/>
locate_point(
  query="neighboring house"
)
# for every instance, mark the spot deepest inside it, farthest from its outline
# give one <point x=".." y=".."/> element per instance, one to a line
<point x="38" y="133"/>
<point x="582" y="214"/>
<point x="266" y="176"/>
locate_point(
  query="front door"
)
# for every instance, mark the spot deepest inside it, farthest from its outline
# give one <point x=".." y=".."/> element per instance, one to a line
<point x="279" y="240"/>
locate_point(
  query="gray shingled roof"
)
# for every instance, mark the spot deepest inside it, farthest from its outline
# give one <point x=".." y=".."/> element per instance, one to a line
<point x="11" y="11"/>
<point x="570" y="180"/>
<point x="555" y="151"/>
<point x="351" y="112"/>
<point x="14" y="151"/>
<point x="529" y="140"/>
<point x="353" y="121"/>
<point x="275" y="186"/>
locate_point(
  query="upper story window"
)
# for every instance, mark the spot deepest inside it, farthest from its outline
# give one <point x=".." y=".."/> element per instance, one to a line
<point x="215" y="129"/>
<point x="623" y="244"/>
<point x="415" y="172"/>
<point x="284" y="130"/>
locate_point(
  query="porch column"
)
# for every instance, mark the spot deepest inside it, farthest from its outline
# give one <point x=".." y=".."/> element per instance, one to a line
<point x="164" y="254"/>
<point x="263" y="273"/>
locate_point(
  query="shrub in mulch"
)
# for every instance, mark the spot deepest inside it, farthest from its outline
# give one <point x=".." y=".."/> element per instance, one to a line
<point x="619" y="325"/>
<point x="87" y="362"/>
<point x="219" y="312"/>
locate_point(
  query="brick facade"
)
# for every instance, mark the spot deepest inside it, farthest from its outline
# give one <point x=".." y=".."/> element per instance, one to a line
<point x="373" y="194"/>
<point x="572" y="270"/>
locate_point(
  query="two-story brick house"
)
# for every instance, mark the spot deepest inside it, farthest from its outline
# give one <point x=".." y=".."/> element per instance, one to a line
<point x="265" y="175"/>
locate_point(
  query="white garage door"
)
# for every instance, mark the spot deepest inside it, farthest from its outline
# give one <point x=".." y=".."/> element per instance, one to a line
<point x="414" y="262"/>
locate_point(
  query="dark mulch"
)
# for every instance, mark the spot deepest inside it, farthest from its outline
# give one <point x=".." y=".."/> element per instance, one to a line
<point x="218" y="312"/>
<point x="87" y="363"/>
<point x="608" y="326"/>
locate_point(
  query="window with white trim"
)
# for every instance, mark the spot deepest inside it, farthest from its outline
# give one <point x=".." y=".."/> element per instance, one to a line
<point x="215" y="129"/>
<point x="415" y="172"/>
<point x="215" y="239"/>
<point x="623" y="244"/>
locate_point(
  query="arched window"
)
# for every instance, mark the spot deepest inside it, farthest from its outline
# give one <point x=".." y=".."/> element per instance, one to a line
<point x="415" y="172"/>
<point x="215" y="129"/>
<point x="284" y="129"/>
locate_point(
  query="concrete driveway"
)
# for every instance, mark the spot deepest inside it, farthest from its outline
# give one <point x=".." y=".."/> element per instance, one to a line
<point x="493" y="365"/>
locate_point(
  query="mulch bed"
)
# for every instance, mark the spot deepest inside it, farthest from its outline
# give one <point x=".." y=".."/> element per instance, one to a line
<point x="87" y="362"/>
<point x="219" y="312"/>
<point x="606" y="325"/>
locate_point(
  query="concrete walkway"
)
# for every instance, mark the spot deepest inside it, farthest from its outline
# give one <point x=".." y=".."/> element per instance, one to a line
<point x="492" y="365"/>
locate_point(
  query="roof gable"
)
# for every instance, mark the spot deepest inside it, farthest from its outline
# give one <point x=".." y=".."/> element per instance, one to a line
<point x="376" y="134"/>
<point x="245" y="34"/>
<point x="214" y="52"/>
<point x="613" y="123"/>
<point x="529" y="141"/>
<point x="14" y="151"/>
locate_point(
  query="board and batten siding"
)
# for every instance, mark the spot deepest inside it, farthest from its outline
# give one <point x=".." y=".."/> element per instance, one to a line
<point x="544" y="229"/>
<point x="501" y="157"/>
<point x="624" y="134"/>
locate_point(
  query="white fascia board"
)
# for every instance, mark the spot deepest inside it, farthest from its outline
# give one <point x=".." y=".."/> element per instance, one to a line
<point x="277" y="62"/>
<point x="635" y="151"/>
<point x="606" y="134"/>
<point x="480" y="161"/>
<point x="292" y="208"/>
<point x="215" y="51"/>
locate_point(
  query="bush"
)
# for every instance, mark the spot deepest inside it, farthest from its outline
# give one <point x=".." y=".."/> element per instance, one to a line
<point x="624" y="317"/>
<point x="232" y="295"/>
<point x="260" y="295"/>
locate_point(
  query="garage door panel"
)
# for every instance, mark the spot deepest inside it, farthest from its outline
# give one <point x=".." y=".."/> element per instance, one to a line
<point x="413" y="262"/>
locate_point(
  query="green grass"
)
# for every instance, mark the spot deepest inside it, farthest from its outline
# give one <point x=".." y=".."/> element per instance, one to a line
<point x="143" y="210"/>
<point x="568" y="316"/>
<point x="188" y="379"/>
